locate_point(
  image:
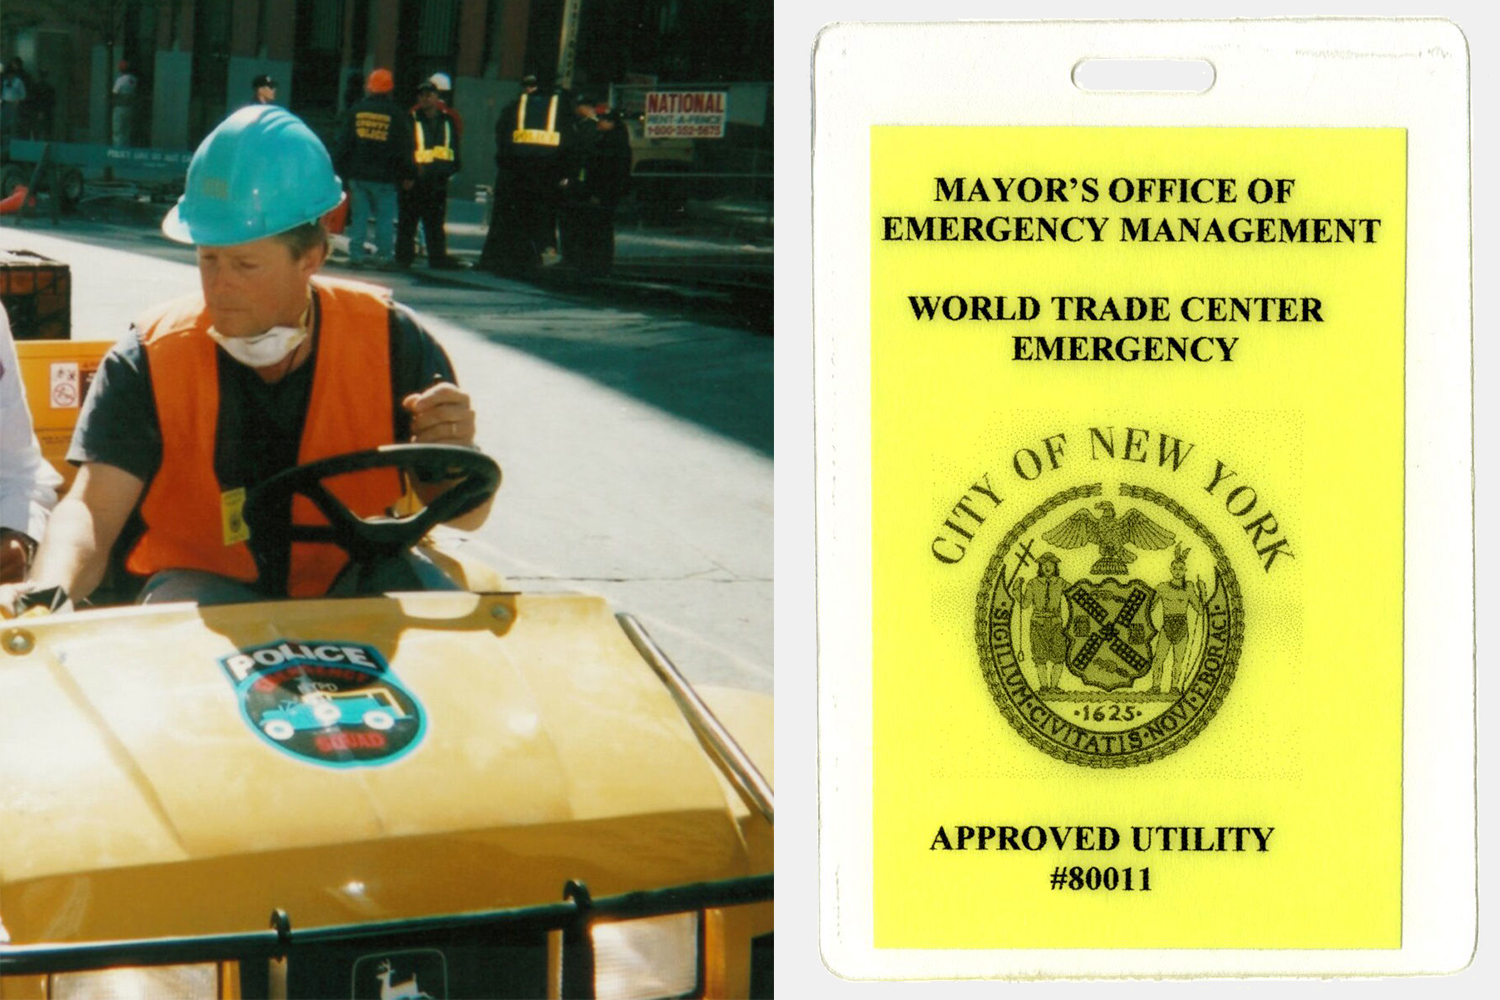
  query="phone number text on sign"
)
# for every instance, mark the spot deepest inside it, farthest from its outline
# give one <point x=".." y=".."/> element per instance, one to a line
<point x="684" y="131"/>
<point x="686" y="114"/>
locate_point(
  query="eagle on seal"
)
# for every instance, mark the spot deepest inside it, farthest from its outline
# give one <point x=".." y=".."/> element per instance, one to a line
<point x="1111" y="534"/>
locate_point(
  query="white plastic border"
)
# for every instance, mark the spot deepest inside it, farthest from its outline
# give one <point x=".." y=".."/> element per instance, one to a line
<point x="1410" y="73"/>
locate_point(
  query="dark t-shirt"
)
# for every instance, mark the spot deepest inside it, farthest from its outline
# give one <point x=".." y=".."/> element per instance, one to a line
<point x="260" y="424"/>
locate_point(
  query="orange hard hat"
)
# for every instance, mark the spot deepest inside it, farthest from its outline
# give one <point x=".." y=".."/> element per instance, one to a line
<point x="380" y="82"/>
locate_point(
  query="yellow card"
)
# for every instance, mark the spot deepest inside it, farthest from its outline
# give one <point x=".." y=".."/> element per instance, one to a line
<point x="232" y="516"/>
<point x="1136" y="413"/>
<point x="1144" y="517"/>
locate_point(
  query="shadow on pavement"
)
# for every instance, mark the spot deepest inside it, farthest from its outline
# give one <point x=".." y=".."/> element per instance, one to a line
<point x="688" y="336"/>
<point x="661" y="353"/>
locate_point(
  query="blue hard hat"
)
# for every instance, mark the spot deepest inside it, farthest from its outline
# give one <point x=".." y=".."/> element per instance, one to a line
<point x="262" y="171"/>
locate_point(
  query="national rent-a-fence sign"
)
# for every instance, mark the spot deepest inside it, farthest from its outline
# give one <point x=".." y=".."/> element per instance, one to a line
<point x="686" y="114"/>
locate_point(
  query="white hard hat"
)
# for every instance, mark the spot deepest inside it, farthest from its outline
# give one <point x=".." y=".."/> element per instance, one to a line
<point x="440" y="81"/>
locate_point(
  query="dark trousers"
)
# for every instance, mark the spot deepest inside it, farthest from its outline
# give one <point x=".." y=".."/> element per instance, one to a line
<point x="588" y="236"/>
<point x="522" y="222"/>
<point x="427" y="203"/>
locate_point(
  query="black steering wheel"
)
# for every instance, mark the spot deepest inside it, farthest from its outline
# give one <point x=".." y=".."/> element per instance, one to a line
<point x="365" y="541"/>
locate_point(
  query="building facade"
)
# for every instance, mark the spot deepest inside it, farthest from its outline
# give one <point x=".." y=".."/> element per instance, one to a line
<point x="194" y="59"/>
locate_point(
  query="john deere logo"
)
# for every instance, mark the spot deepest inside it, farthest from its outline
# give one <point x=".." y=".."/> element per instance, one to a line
<point x="333" y="703"/>
<point x="1109" y="625"/>
<point x="417" y="974"/>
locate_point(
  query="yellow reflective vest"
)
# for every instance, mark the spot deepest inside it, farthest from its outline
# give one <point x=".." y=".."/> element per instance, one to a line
<point x="433" y="154"/>
<point x="549" y="136"/>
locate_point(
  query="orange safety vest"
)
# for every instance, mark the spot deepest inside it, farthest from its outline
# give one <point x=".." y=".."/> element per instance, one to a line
<point x="192" y="522"/>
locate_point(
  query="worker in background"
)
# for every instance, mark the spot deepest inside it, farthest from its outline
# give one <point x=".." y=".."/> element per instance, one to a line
<point x="13" y="97"/>
<point x="435" y="137"/>
<point x="267" y="368"/>
<point x="263" y="90"/>
<point x="579" y="139"/>
<point x="122" y="95"/>
<point x="28" y="484"/>
<point x="444" y="85"/>
<point x="598" y="156"/>
<point x="527" y="143"/>
<point x="373" y="150"/>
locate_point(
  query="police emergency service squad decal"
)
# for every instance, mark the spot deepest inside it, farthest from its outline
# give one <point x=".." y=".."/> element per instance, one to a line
<point x="330" y="702"/>
<point x="1099" y="638"/>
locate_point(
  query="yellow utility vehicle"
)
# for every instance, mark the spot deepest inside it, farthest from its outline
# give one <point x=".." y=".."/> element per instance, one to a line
<point x="473" y="793"/>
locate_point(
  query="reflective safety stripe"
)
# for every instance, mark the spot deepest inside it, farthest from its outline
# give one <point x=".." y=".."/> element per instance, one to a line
<point x="443" y="152"/>
<point x="535" y="137"/>
<point x="548" y="136"/>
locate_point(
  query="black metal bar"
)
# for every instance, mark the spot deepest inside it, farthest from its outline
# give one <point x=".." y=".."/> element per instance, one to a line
<point x="281" y="923"/>
<point x="702" y="971"/>
<point x="552" y="915"/>
<point x="18" y="960"/>
<point x="740" y="768"/>
<point x="678" y="899"/>
<point x="42" y="165"/>
<point x="578" y="945"/>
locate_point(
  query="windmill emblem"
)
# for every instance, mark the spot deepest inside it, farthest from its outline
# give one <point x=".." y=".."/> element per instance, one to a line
<point x="1122" y="662"/>
<point x="1112" y="534"/>
<point x="1110" y="632"/>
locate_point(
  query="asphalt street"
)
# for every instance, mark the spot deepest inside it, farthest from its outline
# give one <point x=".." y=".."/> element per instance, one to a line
<point x="634" y="436"/>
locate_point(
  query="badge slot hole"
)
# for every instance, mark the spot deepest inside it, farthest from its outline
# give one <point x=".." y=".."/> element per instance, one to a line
<point x="1144" y="76"/>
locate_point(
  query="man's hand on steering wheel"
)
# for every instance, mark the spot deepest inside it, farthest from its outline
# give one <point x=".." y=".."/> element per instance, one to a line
<point x="441" y="414"/>
<point x="10" y="596"/>
<point x="28" y="598"/>
<point x="472" y="475"/>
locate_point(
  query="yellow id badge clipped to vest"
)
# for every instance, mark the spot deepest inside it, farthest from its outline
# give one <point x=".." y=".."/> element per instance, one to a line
<point x="232" y="516"/>
<point x="1144" y="520"/>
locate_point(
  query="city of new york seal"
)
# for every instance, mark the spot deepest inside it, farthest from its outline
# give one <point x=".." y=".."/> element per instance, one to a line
<point x="1109" y="625"/>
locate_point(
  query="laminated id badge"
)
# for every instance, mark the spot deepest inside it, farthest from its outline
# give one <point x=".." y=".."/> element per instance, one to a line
<point x="1144" y="521"/>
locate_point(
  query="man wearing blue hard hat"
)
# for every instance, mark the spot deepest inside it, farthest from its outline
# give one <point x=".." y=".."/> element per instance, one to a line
<point x="269" y="367"/>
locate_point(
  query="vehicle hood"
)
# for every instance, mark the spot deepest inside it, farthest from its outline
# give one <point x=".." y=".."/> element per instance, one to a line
<point x="141" y="798"/>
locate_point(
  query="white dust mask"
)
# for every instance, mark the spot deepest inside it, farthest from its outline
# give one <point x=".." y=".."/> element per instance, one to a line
<point x="264" y="349"/>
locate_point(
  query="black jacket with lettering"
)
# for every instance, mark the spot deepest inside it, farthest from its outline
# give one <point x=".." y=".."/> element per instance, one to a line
<point x="375" y="142"/>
